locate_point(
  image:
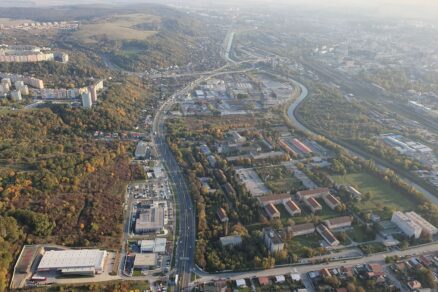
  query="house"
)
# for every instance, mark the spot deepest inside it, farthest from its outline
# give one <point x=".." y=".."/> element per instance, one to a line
<point x="240" y="283"/>
<point x="272" y="240"/>
<point x="315" y="193"/>
<point x="263" y="281"/>
<point x="414" y="285"/>
<point x="291" y="207"/>
<point x="222" y="214"/>
<point x="302" y="229"/>
<point x="295" y="277"/>
<point x="331" y="201"/>
<point x="338" y="222"/>
<point x="326" y="273"/>
<point x="272" y="211"/>
<point x="327" y="235"/>
<point x="280" y="279"/>
<point x="313" y="204"/>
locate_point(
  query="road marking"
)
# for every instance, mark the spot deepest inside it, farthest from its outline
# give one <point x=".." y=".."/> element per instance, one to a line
<point x="184" y="258"/>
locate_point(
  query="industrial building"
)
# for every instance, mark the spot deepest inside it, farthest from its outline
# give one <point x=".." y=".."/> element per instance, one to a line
<point x="425" y="225"/>
<point x="406" y="224"/>
<point x="150" y="220"/>
<point x="84" y="262"/>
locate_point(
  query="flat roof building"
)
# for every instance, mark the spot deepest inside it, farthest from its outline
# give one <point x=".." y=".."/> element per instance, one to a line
<point x="145" y="260"/>
<point x="232" y="240"/>
<point x="73" y="262"/>
<point x="150" y="220"/>
<point x="272" y="240"/>
<point x="157" y="246"/>
<point x="141" y="150"/>
<point x="406" y="224"/>
<point x="424" y="224"/>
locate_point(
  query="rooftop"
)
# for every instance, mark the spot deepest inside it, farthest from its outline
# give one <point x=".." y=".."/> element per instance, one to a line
<point x="152" y="218"/>
<point x="62" y="259"/>
<point x="292" y="205"/>
<point x="271" y="209"/>
<point x="332" y="199"/>
<point x="314" y="203"/>
<point x="313" y="192"/>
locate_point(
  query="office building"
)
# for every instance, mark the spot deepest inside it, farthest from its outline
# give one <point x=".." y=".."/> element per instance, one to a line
<point x="87" y="103"/>
<point x="272" y="240"/>
<point x="406" y="224"/>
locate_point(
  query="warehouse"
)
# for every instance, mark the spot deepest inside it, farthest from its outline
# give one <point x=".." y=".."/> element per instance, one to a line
<point x="74" y="262"/>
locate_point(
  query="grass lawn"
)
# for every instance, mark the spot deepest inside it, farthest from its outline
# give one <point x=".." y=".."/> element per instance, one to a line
<point x="382" y="194"/>
<point x="120" y="27"/>
<point x="278" y="179"/>
<point x="306" y="216"/>
<point x="298" y="244"/>
<point x="359" y="235"/>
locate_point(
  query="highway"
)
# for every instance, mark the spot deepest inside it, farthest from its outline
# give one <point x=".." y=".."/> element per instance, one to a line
<point x="185" y="245"/>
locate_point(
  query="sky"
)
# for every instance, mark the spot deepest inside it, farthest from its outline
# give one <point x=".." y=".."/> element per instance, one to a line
<point x="402" y="8"/>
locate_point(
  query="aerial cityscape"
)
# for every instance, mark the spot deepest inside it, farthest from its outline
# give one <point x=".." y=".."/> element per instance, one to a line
<point x="250" y="145"/>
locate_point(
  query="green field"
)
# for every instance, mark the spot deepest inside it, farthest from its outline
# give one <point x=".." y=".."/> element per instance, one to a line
<point x="278" y="179"/>
<point x="382" y="194"/>
<point x="122" y="27"/>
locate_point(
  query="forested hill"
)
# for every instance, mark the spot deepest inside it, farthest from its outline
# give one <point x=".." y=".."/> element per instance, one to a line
<point x="56" y="182"/>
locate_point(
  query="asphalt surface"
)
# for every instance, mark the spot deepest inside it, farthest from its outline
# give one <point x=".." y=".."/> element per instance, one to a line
<point x="301" y="269"/>
<point x="184" y="255"/>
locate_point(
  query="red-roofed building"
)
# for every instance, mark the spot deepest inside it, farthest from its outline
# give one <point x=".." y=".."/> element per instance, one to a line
<point x="331" y="201"/>
<point x="272" y="211"/>
<point x="315" y="193"/>
<point x="414" y="285"/>
<point x="302" y="229"/>
<point x="313" y="204"/>
<point x="292" y="207"/>
<point x="273" y="199"/>
<point x="338" y="222"/>
<point x="325" y="273"/>
<point x="263" y="281"/>
<point x="327" y="235"/>
<point x="301" y="146"/>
